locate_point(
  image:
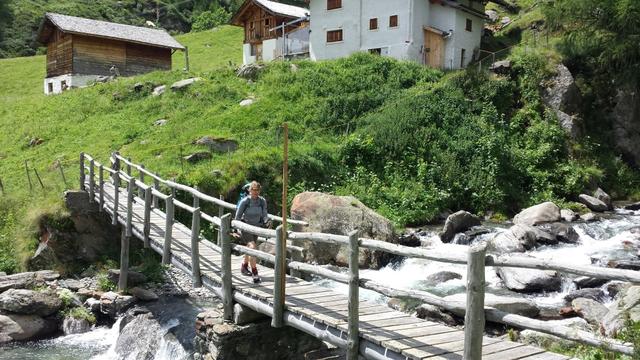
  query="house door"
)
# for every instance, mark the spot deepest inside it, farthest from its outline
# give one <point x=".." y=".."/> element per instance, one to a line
<point x="433" y="49"/>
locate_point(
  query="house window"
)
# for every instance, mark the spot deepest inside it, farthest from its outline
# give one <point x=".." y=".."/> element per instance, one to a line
<point x="393" y="21"/>
<point x="334" y="36"/>
<point x="334" y="4"/>
<point x="377" y="51"/>
<point x="469" y="25"/>
<point x="254" y="49"/>
<point x="462" y="54"/>
<point x="267" y="22"/>
<point x="373" y="24"/>
<point x="63" y="85"/>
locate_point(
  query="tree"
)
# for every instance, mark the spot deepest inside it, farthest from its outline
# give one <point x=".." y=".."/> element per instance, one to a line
<point x="210" y="19"/>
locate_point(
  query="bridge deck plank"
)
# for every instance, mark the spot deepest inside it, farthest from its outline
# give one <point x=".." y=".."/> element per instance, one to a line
<point x="406" y="335"/>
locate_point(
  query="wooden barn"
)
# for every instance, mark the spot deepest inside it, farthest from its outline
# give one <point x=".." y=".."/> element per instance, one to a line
<point x="80" y="50"/>
<point x="272" y="30"/>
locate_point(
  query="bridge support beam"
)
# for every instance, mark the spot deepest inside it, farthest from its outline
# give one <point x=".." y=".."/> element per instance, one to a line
<point x="279" y="280"/>
<point x="474" y="315"/>
<point x="227" y="289"/>
<point x="195" y="248"/>
<point x="353" y="344"/>
<point x="126" y="239"/>
<point x="168" y="231"/>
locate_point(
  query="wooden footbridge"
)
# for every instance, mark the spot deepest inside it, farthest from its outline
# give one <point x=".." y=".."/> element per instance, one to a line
<point x="363" y="328"/>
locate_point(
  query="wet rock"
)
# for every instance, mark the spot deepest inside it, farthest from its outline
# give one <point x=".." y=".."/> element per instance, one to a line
<point x="458" y="222"/>
<point x="159" y="90"/>
<point x="562" y="232"/>
<point x="143" y="294"/>
<point x="604" y="197"/>
<point x="633" y="207"/>
<point x="529" y="280"/>
<point x="75" y="326"/>
<point x="538" y="214"/>
<point x="589" y="293"/>
<point x="624" y="264"/>
<point x="93" y="305"/>
<point x="569" y="215"/>
<point x="545" y="340"/>
<point x="510" y="304"/>
<point x="112" y="304"/>
<point x="23" y="301"/>
<point x="442" y="276"/>
<point x="531" y="236"/>
<point x="183" y="84"/>
<point x="589" y="217"/>
<point x="588" y="282"/>
<point x="433" y="313"/>
<point x="15" y="327"/>
<point x="590" y="310"/>
<point x="199" y="156"/>
<point x="505" y="242"/>
<point x="613" y="288"/>
<point x="627" y="303"/>
<point x="411" y="240"/>
<point x="218" y="144"/>
<point x="133" y="277"/>
<point x="592" y="203"/>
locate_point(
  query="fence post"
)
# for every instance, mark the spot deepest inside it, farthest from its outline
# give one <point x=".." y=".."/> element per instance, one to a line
<point x="116" y="198"/>
<point x="278" y="286"/>
<point x="474" y="315"/>
<point x="129" y="166"/>
<point x="227" y="295"/>
<point x="124" y="251"/>
<point x="64" y="179"/>
<point x="81" y="171"/>
<point x="147" y="216"/>
<point x="220" y="215"/>
<point x="92" y="182"/>
<point x="101" y="183"/>
<point x="141" y="175"/>
<point x="168" y="231"/>
<point x="156" y="185"/>
<point x="195" y="249"/>
<point x="353" y="344"/>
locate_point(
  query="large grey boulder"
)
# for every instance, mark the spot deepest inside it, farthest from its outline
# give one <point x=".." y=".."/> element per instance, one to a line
<point x="563" y="96"/>
<point x="592" y="203"/>
<point x="218" y="144"/>
<point x="505" y="242"/>
<point x="529" y="280"/>
<point x="458" y="222"/>
<point x="183" y="84"/>
<point x="538" y="214"/>
<point x="510" y="304"/>
<point x="15" y="327"/>
<point x="27" y="279"/>
<point x="561" y="232"/>
<point x="340" y="215"/>
<point x="590" y="310"/>
<point x="604" y="197"/>
<point x="113" y="304"/>
<point x="133" y="277"/>
<point x="433" y="313"/>
<point x="536" y="338"/>
<point x="627" y="303"/>
<point x="72" y="325"/>
<point x="442" y="276"/>
<point x="569" y="215"/>
<point x="23" y="301"/>
<point x="531" y="236"/>
<point x="626" y="123"/>
<point x="588" y="293"/>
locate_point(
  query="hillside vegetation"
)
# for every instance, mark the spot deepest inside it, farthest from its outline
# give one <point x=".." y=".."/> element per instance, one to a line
<point x="408" y="141"/>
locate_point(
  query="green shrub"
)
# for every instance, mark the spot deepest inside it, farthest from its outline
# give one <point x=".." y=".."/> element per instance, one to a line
<point x="80" y="313"/>
<point x="105" y="284"/>
<point x="66" y="296"/>
<point x="210" y="19"/>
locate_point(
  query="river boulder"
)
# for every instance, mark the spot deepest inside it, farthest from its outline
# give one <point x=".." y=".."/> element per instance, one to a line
<point x="511" y="304"/>
<point x="529" y="280"/>
<point x="626" y="123"/>
<point x="16" y="327"/>
<point x="563" y="233"/>
<point x="592" y="203"/>
<point x="458" y="222"/>
<point x="626" y="302"/>
<point x="433" y="313"/>
<point x="27" y="279"/>
<point x="505" y="242"/>
<point x="590" y="310"/>
<point x="537" y="338"/>
<point x="442" y="276"/>
<point x="340" y="215"/>
<point x="604" y="197"/>
<point x="588" y="293"/>
<point x="133" y="277"/>
<point x="569" y="215"/>
<point x="538" y="214"/>
<point x="23" y="301"/>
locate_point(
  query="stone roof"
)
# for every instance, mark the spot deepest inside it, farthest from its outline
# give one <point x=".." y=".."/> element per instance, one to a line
<point x="109" y="30"/>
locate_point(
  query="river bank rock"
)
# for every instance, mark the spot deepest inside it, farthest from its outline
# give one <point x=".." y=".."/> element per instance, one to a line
<point x="529" y="280"/>
<point x="545" y="340"/>
<point x="23" y="301"/>
<point x="27" y="279"/>
<point x="569" y="215"/>
<point x="588" y="282"/>
<point x="72" y="325"/>
<point x="589" y="217"/>
<point x="133" y="277"/>
<point x="458" y="222"/>
<point x="590" y="310"/>
<point x="510" y="304"/>
<point x="17" y="327"/>
<point x="589" y="293"/>
<point x="538" y="214"/>
<point x="442" y="276"/>
<point x="143" y="294"/>
<point x="604" y="197"/>
<point x="592" y="203"/>
<point x="560" y="232"/>
<point x="340" y="215"/>
<point x="112" y="304"/>
<point x="626" y="302"/>
<point x="433" y="313"/>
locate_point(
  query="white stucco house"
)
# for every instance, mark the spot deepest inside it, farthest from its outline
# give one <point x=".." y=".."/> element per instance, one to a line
<point x="438" y="33"/>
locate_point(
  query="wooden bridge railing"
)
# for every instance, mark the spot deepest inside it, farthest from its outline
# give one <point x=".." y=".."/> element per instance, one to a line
<point x="473" y="310"/>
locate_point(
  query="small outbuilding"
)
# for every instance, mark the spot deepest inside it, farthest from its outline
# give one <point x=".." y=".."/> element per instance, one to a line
<point x="80" y="51"/>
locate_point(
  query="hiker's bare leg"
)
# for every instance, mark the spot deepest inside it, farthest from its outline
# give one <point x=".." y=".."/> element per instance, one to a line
<point x="250" y="259"/>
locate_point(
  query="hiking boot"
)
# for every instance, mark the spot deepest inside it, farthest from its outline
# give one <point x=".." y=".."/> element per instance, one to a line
<point x="256" y="278"/>
<point x="244" y="269"/>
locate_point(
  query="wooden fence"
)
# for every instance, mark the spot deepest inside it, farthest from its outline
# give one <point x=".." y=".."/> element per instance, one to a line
<point x="473" y="310"/>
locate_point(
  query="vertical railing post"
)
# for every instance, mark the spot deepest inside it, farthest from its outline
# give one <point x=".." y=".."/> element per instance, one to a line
<point x="129" y="166"/>
<point x="124" y="250"/>
<point x="474" y="315"/>
<point x="116" y="198"/>
<point x="168" y="231"/>
<point x="92" y="181"/>
<point x="227" y="295"/>
<point x="220" y="214"/>
<point x="156" y="185"/>
<point x="101" y="184"/>
<point x="353" y="342"/>
<point x="141" y="175"/>
<point x="195" y="248"/>
<point x="278" y="286"/>
<point x="81" y="171"/>
<point x="147" y="215"/>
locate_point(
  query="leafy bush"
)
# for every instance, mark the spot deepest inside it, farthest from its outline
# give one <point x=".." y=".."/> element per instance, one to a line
<point x="105" y="284"/>
<point x="210" y="19"/>
<point x="80" y="313"/>
<point x="66" y="296"/>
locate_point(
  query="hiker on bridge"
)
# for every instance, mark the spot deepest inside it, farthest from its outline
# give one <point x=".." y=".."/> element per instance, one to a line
<point x="252" y="210"/>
